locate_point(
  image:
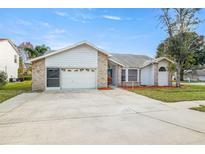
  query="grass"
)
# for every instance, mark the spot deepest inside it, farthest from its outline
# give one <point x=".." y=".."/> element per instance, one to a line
<point x="200" y="108"/>
<point x="185" y="93"/>
<point x="12" y="89"/>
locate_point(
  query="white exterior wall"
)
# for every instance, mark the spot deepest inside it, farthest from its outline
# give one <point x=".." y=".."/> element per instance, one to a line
<point x="7" y="53"/>
<point x="163" y="79"/>
<point x="163" y="63"/>
<point x="147" y="75"/>
<point x="79" y="57"/>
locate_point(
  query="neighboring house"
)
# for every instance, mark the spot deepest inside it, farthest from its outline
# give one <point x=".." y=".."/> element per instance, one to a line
<point x="9" y="58"/>
<point x="195" y="75"/>
<point x="84" y="65"/>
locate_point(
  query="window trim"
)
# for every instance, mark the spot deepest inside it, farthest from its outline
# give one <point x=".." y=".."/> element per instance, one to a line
<point x="126" y="75"/>
<point x="163" y="69"/>
<point x="15" y="59"/>
<point x="123" y="76"/>
<point x="136" y="75"/>
<point x="53" y="78"/>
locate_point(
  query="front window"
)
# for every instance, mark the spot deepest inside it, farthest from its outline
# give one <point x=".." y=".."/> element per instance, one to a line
<point x="15" y="58"/>
<point x="132" y="75"/>
<point x="53" y="77"/>
<point x="162" y="69"/>
<point x="123" y="75"/>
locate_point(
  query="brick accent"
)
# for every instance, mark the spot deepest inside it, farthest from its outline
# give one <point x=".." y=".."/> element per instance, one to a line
<point x="38" y="75"/>
<point x="155" y="69"/>
<point x="102" y="70"/>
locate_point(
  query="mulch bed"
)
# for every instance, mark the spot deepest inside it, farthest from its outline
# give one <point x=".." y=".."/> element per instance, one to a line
<point x="146" y="87"/>
<point x="105" y="88"/>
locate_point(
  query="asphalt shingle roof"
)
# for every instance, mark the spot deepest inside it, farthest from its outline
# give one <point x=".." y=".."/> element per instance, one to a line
<point x="130" y="60"/>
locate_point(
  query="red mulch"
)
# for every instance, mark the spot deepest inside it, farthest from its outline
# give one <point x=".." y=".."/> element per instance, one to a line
<point x="146" y="87"/>
<point x="105" y="88"/>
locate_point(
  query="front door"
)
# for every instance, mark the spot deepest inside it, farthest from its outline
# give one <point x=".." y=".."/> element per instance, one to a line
<point x="163" y="77"/>
<point x="109" y="76"/>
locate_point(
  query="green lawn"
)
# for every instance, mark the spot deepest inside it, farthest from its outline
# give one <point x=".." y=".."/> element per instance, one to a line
<point x="13" y="89"/>
<point x="185" y="93"/>
<point x="199" y="108"/>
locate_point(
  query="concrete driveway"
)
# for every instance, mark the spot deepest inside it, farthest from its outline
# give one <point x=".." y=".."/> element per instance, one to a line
<point x="97" y="117"/>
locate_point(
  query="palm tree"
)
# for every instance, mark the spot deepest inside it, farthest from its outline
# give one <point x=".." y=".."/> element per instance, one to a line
<point x="37" y="51"/>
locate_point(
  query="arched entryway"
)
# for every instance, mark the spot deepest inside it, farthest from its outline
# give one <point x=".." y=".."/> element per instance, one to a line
<point x="162" y="76"/>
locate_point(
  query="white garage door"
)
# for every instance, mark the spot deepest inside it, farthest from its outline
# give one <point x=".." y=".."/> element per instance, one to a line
<point x="163" y="77"/>
<point x="78" y="78"/>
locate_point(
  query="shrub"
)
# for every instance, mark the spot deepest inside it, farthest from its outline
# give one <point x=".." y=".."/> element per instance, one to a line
<point x="3" y="78"/>
<point x="27" y="78"/>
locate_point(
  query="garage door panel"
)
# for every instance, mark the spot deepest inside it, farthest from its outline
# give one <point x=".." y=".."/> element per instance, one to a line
<point x="78" y="79"/>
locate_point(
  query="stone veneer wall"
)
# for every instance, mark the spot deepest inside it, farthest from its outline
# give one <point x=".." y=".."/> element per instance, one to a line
<point x="38" y="75"/>
<point x="102" y="80"/>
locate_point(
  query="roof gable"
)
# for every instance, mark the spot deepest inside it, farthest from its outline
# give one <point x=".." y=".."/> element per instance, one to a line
<point x="12" y="44"/>
<point x="68" y="48"/>
<point x="157" y="60"/>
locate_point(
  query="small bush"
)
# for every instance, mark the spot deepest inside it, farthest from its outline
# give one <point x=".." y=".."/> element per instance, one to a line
<point x="3" y="78"/>
<point x="27" y="78"/>
<point x="20" y="79"/>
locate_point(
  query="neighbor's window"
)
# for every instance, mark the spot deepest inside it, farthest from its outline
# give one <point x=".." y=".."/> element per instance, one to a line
<point x="15" y="58"/>
<point x="123" y="75"/>
<point x="132" y="75"/>
<point x="53" y="77"/>
<point x="162" y="69"/>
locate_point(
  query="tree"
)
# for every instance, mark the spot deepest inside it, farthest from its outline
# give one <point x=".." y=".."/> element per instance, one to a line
<point x="21" y="68"/>
<point x="37" y="51"/>
<point x="3" y="78"/>
<point x="24" y="68"/>
<point x="176" y="23"/>
<point x="193" y="50"/>
<point x="25" y="45"/>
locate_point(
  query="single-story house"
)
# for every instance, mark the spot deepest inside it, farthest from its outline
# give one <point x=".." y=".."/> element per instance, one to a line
<point x="83" y="65"/>
<point x="9" y="58"/>
<point x="195" y="74"/>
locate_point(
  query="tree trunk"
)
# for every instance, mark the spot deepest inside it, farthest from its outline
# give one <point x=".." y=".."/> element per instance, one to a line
<point x="182" y="75"/>
<point x="178" y="68"/>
